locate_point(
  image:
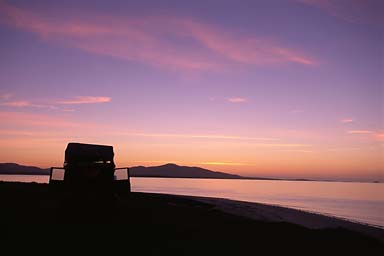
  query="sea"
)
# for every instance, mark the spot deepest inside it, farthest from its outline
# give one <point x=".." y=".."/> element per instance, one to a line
<point x="354" y="201"/>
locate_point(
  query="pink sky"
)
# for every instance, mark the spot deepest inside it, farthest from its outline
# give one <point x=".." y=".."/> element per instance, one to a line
<point x="254" y="88"/>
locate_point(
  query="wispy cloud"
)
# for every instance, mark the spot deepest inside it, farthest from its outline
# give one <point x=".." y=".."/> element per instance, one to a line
<point x="296" y="111"/>
<point x="354" y="11"/>
<point x="360" y="132"/>
<point x="347" y="120"/>
<point x="248" y="50"/>
<point x="295" y="150"/>
<point x="85" y="100"/>
<point x="10" y="102"/>
<point x="5" y="96"/>
<point x="237" y="100"/>
<point x="155" y="40"/>
<point x="224" y="163"/>
<point x="344" y="149"/>
<point x="24" y="104"/>
<point x="369" y="134"/>
<point x="15" y="132"/>
<point x="21" y="119"/>
<point x="16" y="104"/>
<point x="283" y="145"/>
<point x="198" y="136"/>
<point x="380" y="136"/>
<point x="262" y="142"/>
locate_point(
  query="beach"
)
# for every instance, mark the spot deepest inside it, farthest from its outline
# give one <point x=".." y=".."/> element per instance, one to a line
<point x="159" y="224"/>
<point x="274" y="213"/>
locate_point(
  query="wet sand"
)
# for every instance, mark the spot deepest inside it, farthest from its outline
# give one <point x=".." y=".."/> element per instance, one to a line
<point x="157" y="224"/>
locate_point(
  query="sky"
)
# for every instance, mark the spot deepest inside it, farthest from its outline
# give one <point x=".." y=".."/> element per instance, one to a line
<point x="288" y="88"/>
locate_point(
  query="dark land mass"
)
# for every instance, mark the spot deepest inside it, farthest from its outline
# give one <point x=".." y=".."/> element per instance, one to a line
<point x="35" y="219"/>
<point x="167" y="171"/>
<point x="162" y="171"/>
<point x="176" y="171"/>
<point x="13" y="168"/>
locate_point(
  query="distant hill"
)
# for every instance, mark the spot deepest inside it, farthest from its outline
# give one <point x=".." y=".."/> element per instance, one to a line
<point x="12" y="168"/>
<point x="167" y="170"/>
<point x="176" y="171"/>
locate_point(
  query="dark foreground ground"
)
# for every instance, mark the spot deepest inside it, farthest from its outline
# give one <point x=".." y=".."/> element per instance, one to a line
<point x="33" y="219"/>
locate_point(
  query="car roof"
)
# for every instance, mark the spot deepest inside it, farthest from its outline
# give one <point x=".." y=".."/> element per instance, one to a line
<point x="81" y="152"/>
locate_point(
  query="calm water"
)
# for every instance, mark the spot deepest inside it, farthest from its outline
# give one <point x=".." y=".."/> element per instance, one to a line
<point x="362" y="202"/>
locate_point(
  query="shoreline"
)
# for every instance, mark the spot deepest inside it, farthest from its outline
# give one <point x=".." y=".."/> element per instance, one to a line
<point x="217" y="178"/>
<point x="276" y="213"/>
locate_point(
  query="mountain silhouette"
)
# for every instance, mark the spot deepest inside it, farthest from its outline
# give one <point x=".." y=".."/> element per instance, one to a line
<point x="177" y="171"/>
<point x="167" y="170"/>
<point x="12" y="168"/>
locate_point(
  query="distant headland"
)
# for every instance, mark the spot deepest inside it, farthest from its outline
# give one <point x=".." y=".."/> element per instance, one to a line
<point x="169" y="170"/>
